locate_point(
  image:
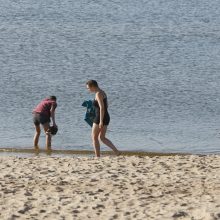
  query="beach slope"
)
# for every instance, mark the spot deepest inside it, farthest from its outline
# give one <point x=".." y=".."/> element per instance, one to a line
<point x="168" y="187"/>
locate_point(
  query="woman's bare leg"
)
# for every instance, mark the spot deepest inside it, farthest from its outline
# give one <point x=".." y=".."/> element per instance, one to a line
<point x="48" y="136"/>
<point x="95" y="139"/>
<point x="36" y="136"/>
<point x="106" y="141"/>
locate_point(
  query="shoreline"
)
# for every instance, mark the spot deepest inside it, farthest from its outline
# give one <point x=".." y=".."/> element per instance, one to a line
<point x="91" y="152"/>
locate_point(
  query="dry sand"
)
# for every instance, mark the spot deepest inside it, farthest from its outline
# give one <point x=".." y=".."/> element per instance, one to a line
<point x="170" y="187"/>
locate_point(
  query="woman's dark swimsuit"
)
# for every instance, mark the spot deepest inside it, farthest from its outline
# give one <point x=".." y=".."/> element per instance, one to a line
<point x="106" y="118"/>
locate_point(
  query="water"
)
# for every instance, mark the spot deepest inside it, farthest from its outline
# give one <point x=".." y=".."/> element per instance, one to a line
<point x="158" y="61"/>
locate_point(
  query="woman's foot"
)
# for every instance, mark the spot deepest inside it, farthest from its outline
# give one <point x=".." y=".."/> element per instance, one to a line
<point x="118" y="153"/>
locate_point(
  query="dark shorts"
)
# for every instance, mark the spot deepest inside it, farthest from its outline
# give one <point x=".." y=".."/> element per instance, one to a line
<point x="40" y="119"/>
<point x="106" y="119"/>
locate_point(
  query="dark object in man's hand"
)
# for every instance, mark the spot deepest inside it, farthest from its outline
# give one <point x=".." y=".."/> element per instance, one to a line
<point x="52" y="130"/>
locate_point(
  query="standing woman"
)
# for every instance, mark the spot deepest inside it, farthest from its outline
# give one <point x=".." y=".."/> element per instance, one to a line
<point x="41" y="116"/>
<point x="102" y="118"/>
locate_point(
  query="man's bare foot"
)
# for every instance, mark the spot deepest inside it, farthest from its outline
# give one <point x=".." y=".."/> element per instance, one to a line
<point x="48" y="151"/>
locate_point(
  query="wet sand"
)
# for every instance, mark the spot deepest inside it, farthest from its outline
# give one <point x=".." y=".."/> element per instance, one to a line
<point x="136" y="187"/>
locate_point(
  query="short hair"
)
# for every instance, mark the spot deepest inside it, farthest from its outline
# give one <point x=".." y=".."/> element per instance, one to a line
<point x="54" y="98"/>
<point x="92" y="83"/>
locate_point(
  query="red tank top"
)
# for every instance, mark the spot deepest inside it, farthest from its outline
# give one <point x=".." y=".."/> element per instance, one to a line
<point x="44" y="107"/>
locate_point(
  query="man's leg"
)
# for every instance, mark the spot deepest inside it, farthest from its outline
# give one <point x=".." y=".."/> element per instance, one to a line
<point x="36" y="136"/>
<point x="48" y="136"/>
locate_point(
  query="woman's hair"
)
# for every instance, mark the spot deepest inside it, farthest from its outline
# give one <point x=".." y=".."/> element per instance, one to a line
<point x="92" y="83"/>
<point x="54" y="98"/>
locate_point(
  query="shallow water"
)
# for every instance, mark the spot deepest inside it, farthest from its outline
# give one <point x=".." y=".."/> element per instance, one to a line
<point x="158" y="61"/>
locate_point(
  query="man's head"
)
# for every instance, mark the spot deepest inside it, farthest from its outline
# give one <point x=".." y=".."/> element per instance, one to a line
<point x="54" y="98"/>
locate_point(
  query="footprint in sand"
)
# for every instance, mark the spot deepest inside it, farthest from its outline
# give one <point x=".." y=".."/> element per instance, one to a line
<point x="180" y="214"/>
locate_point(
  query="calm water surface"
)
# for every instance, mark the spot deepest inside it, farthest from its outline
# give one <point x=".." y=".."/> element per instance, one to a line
<point x="158" y="60"/>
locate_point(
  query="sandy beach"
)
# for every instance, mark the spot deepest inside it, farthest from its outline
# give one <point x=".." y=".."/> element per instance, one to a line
<point x="168" y="187"/>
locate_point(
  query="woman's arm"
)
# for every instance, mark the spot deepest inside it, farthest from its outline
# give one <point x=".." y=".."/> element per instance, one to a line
<point x="52" y="113"/>
<point x="99" y="98"/>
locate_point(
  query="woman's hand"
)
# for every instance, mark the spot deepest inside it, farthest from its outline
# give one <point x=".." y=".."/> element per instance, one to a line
<point x="101" y="125"/>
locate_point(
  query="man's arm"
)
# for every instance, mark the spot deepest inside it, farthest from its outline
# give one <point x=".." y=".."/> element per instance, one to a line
<point x="52" y="113"/>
